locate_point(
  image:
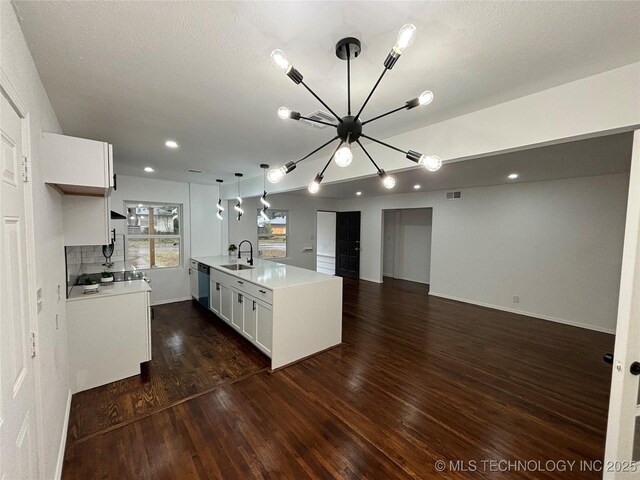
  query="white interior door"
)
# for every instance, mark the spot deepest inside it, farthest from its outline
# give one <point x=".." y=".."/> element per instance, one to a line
<point x="622" y="455"/>
<point x="17" y="410"/>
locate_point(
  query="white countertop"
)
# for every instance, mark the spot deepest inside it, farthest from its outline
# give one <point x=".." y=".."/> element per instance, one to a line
<point x="268" y="274"/>
<point x="116" y="288"/>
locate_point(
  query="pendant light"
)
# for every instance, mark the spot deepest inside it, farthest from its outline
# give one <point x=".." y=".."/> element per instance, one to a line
<point x="219" y="204"/>
<point x="263" y="198"/>
<point x="349" y="128"/>
<point x="238" y="207"/>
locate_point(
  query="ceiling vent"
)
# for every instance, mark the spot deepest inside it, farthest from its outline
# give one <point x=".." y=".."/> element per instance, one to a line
<point x="192" y="170"/>
<point x="319" y="115"/>
<point x="453" y="195"/>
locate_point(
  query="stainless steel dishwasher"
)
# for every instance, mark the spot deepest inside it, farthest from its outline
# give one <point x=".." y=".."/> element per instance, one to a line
<point x="203" y="285"/>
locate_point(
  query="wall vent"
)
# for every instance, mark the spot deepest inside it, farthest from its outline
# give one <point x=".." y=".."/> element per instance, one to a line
<point x="192" y="170"/>
<point x="319" y="115"/>
<point x="453" y="195"/>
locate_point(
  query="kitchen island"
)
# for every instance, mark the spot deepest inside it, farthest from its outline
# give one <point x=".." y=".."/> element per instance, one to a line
<point x="287" y="312"/>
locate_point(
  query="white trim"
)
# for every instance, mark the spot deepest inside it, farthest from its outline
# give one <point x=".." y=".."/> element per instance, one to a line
<point x="63" y="439"/>
<point x="171" y="300"/>
<point x="528" y="314"/>
<point x="370" y="280"/>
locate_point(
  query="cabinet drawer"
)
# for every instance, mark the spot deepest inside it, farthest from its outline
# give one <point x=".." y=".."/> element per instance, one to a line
<point x="259" y="292"/>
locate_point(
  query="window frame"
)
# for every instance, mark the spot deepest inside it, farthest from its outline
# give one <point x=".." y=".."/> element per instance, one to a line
<point x="179" y="236"/>
<point x="285" y="235"/>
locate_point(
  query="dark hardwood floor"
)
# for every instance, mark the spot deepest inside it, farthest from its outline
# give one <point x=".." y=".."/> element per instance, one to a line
<point x="192" y="353"/>
<point x="417" y="380"/>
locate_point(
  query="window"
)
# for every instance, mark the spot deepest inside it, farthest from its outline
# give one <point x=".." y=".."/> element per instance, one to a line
<point x="154" y="234"/>
<point x="272" y="234"/>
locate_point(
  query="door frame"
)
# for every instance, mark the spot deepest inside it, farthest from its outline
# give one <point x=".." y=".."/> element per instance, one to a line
<point x="11" y="94"/>
<point x="315" y="247"/>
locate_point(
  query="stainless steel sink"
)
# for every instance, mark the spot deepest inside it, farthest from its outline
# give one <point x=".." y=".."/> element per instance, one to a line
<point x="237" y="266"/>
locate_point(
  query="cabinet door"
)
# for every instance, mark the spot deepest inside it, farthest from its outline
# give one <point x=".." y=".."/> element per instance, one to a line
<point x="215" y="298"/>
<point x="193" y="282"/>
<point x="237" y="316"/>
<point x="85" y="220"/>
<point x="148" y="325"/>
<point x="250" y="310"/>
<point x="225" y="303"/>
<point x="264" y="326"/>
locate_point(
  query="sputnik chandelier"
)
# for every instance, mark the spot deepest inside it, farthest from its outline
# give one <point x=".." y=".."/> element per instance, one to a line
<point x="349" y="127"/>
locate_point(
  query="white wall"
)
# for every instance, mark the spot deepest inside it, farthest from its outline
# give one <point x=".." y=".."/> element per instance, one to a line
<point x="52" y="373"/>
<point x="302" y="225"/>
<point x="407" y="244"/>
<point x="208" y="234"/>
<point x="326" y="242"/>
<point x="168" y="284"/>
<point x="556" y="244"/>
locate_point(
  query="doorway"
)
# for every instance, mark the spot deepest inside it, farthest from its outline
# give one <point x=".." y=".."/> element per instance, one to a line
<point x="407" y="244"/>
<point x="326" y="242"/>
<point x="348" y="244"/>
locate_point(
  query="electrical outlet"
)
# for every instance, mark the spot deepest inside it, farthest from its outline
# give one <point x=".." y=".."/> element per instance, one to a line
<point x="516" y="299"/>
<point x="39" y="299"/>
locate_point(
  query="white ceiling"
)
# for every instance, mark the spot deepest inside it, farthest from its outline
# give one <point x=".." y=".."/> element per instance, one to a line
<point x="137" y="73"/>
<point x="584" y="158"/>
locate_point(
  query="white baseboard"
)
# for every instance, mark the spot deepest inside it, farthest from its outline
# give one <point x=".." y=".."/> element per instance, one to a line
<point x="171" y="300"/>
<point x="63" y="439"/>
<point x="370" y="280"/>
<point x="528" y="314"/>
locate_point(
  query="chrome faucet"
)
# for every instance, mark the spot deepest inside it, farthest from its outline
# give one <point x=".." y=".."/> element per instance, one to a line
<point x="250" y="261"/>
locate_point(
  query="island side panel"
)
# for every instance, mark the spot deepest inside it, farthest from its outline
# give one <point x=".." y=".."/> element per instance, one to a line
<point x="306" y="320"/>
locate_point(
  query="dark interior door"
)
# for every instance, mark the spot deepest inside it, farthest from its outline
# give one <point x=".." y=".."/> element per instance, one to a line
<point x="348" y="244"/>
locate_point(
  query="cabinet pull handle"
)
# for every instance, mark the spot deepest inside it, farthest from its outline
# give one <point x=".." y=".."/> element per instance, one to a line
<point x="254" y="305"/>
<point x="217" y="287"/>
<point x="262" y="291"/>
<point x="240" y="282"/>
<point x="239" y="298"/>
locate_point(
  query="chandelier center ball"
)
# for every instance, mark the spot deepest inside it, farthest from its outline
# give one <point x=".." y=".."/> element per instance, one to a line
<point x="349" y="44"/>
<point x="350" y="128"/>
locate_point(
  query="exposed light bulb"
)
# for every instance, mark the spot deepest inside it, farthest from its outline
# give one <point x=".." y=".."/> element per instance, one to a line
<point x="406" y="37"/>
<point x="279" y="60"/>
<point x="388" y="181"/>
<point x="343" y="156"/>
<point x="275" y="175"/>
<point x="238" y="208"/>
<point x="314" y="187"/>
<point x="219" y="206"/>
<point x="426" y="97"/>
<point x="284" y="113"/>
<point x="431" y="162"/>
<point x="263" y="200"/>
<point x="263" y="214"/>
<point x="239" y="198"/>
<point x="219" y="215"/>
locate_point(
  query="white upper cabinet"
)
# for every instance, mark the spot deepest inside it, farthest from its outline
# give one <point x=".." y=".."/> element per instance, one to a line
<point x="77" y="166"/>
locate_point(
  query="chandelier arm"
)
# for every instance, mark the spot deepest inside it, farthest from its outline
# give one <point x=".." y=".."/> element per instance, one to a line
<point x="348" y="80"/>
<point x="367" y="154"/>
<point x="319" y="148"/>
<point x="317" y="121"/>
<point x="371" y="93"/>
<point x="330" y="158"/>
<point x="385" y="144"/>
<point x="321" y="101"/>
<point x="403" y="107"/>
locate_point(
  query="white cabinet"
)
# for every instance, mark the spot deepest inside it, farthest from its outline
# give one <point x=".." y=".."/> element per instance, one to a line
<point x="86" y="220"/>
<point x="250" y="312"/>
<point x="214" y="297"/>
<point x="225" y="303"/>
<point x="237" y="309"/>
<point x="193" y="278"/>
<point x="264" y="327"/>
<point x="77" y="166"/>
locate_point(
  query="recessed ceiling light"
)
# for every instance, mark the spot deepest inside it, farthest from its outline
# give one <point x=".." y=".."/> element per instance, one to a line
<point x="358" y="193"/>
<point x="171" y="144"/>
<point x="417" y="187"/>
<point x="148" y="169"/>
<point x="513" y="176"/>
